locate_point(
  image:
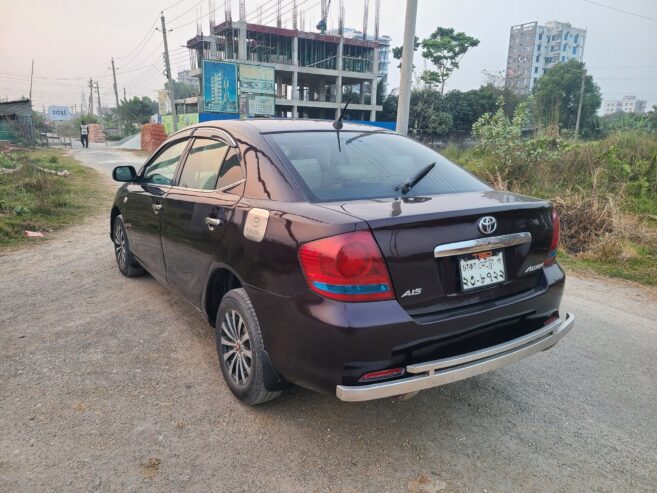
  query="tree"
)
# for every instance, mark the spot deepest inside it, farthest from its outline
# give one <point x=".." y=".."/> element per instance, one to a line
<point x="182" y="90"/>
<point x="427" y="119"/>
<point x="556" y="97"/>
<point x="135" y="111"/>
<point x="445" y="48"/>
<point x="389" y="112"/>
<point x="398" y="50"/>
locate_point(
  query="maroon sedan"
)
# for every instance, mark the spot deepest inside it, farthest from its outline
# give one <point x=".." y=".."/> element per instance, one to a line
<point x="353" y="260"/>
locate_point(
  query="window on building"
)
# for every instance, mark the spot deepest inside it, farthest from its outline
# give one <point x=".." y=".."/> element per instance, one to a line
<point x="540" y="36"/>
<point x="538" y="58"/>
<point x="566" y="34"/>
<point x="575" y="50"/>
<point x="576" y="38"/>
<point x="535" y="70"/>
<point x="564" y="48"/>
<point x="563" y="58"/>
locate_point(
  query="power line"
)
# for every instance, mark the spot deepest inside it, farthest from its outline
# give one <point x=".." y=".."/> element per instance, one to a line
<point x="620" y="10"/>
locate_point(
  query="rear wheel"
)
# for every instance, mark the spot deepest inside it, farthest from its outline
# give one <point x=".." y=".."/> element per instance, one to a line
<point x="240" y="348"/>
<point x="124" y="259"/>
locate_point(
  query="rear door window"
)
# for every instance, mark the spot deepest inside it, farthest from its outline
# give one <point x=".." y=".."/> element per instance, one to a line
<point x="203" y="164"/>
<point x="366" y="165"/>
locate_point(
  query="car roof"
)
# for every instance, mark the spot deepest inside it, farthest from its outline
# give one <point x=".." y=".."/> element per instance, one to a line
<point x="267" y="125"/>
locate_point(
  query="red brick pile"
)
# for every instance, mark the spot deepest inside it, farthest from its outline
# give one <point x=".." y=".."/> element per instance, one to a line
<point x="96" y="133"/>
<point x="152" y="136"/>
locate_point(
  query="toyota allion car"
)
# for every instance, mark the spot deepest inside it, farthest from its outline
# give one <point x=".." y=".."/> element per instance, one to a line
<point x="343" y="258"/>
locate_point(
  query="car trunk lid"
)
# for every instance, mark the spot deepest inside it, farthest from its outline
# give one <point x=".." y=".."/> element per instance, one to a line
<point x="424" y="239"/>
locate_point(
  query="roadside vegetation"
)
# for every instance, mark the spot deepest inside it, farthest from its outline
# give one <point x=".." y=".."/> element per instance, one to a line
<point x="33" y="197"/>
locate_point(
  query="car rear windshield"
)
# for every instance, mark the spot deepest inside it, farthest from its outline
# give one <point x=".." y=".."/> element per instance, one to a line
<point x="367" y="165"/>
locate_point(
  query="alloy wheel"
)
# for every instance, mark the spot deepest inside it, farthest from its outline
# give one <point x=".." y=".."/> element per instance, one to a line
<point x="119" y="245"/>
<point x="236" y="348"/>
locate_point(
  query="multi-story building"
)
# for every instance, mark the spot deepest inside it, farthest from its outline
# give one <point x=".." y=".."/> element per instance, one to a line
<point x="312" y="71"/>
<point x="534" y="49"/>
<point x="629" y="104"/>
<point x="385" y="51"/>
<point x="185" y="77"/>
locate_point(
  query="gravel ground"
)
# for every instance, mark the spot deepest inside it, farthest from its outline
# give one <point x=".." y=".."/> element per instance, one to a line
<point x="110" y="384"/>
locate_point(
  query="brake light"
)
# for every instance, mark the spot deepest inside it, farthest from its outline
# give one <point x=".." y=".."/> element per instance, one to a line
<point x="346" y="267"/>
<point x="556" y="235"/>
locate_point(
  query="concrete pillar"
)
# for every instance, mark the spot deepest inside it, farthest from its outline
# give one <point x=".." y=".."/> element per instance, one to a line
<point x="213" y="47"/>
<point x="374" y="84"/>
<point x="241" y="40"/>
<point x="295" y="76"/>
<point x="338" y="82"/>
<point x="362" y="92"/>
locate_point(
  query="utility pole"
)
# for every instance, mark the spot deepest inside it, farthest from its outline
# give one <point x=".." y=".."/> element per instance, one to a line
<point x="168" y="67"/>
<point x="116" y="90"/>
<point x="100" y="110"/>
<point x="404" y="100"/>
<point x="581" y="95"/>
<point x="91" y="97"/>
<point x="31" y="77"/>
<point x="125" y="98"/>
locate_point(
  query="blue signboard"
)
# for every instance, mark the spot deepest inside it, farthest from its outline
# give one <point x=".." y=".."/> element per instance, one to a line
<point x="220" y="87"/>
<point x="58" y="113"/>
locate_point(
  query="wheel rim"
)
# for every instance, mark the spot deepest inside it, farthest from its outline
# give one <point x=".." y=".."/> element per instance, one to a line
<point x="236" y="348"/>
<point x="119" y="244"/>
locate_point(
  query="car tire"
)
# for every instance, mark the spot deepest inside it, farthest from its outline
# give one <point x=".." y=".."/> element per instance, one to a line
<point x="124" y="259"/>
<point x="240" y="349"/>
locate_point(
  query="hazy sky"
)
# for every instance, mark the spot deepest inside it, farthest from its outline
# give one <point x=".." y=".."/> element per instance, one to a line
<point x="73" y="40"/>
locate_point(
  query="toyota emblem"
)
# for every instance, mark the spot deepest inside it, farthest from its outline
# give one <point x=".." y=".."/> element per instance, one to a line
<point x="487" y="224"/>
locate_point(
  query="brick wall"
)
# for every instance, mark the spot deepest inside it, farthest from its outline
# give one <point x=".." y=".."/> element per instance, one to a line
<point x="152" y="135"/>
<point x="96" y="133"/>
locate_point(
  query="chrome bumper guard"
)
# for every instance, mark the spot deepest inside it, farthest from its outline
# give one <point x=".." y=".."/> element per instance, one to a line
<point x="448" y="370"/>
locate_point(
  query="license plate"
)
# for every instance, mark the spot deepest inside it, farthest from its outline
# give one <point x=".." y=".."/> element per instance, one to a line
<point x="481" y="269"/>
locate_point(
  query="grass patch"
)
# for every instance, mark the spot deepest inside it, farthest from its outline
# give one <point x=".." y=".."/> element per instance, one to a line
<point x="34" y="200"/>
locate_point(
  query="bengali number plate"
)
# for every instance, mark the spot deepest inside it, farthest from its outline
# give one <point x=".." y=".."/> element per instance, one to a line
<point x="481" y="269"/>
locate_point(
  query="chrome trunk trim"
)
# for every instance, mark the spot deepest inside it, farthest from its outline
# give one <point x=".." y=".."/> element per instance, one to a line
<point x="463" y="366"/>
<point x="481" y="244"/>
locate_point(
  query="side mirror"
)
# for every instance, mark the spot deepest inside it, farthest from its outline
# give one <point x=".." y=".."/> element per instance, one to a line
<point x="124" y="173"/>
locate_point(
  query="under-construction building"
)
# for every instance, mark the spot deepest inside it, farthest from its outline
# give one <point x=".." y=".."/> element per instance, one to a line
<point x="314" y="72"/>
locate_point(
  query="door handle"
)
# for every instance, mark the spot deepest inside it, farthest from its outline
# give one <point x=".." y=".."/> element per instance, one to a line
<point x="213" y="222"/>
<point x="157" y="208"/>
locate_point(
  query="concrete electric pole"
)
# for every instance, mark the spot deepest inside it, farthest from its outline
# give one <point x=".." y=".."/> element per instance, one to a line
<point x="100" y="110"/>
<point x="581" y="95"/>
<point x="404" y="100"/>
<point x="91" y="97"/>
<point x="31" y="77"/>
<point x="116" y="90"/>
<point x="168" y="68"/>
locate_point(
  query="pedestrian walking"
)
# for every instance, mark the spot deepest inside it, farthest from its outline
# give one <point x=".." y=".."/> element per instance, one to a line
<point x="84" y="134"/>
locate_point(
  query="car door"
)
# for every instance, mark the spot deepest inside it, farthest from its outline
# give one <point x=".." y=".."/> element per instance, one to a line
<point x="197" y="211"/>
<point x="145" y="203"/>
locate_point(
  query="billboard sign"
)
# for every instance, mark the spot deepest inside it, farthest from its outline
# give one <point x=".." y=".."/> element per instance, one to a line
<point x="59" y="113"/>
<point x="259" y="105"/>
<point x="163" y="105"/>
<point x="220" y="87"/>
<point x="184" y="120"/>
<point x="257" y="79"/>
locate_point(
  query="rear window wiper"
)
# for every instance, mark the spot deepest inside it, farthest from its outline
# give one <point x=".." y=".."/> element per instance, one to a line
<point x="415" y="179"/>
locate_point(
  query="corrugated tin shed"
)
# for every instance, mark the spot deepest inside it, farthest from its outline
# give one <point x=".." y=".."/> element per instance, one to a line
<point x="16" y="122"/>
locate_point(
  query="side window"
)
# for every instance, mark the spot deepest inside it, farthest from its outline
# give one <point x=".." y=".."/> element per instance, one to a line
<point x="202" y="164"/>
<point x="162" y="170"/>
<point x="231" y="171"/>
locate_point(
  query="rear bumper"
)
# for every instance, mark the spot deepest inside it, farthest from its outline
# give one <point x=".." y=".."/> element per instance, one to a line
<point x="447" y="370"/>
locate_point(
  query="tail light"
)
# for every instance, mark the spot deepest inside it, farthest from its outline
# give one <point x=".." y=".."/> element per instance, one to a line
<point x="382" y="374"/>
<point x="556" y="235"/>
<point x="346" y="267"/>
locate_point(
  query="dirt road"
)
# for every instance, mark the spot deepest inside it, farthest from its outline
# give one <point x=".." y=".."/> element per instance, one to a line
<point x="113" y="384"/>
